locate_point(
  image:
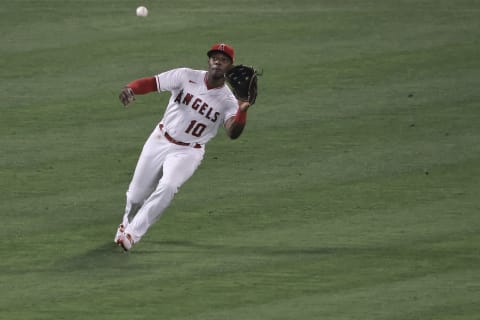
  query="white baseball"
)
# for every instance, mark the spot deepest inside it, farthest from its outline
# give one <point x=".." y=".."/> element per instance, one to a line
<point x="142" y="11"/>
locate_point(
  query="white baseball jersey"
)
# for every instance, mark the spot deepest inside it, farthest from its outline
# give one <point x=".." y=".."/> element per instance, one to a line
<point x="194" y="113"/>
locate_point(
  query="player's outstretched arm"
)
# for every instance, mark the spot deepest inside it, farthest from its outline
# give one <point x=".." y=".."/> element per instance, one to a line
<point x="236" y="124"/>
<point x="139" y="86"/>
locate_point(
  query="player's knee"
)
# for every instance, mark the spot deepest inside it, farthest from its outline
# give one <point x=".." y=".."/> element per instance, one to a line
<point x="169" y="187"/>
<point x="136" y="196"/>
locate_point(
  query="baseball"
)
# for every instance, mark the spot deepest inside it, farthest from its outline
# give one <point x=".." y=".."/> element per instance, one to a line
<point x="142" y="11"/>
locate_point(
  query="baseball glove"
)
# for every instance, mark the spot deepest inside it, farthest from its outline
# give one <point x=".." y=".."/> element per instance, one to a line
<point x="243" y="82"/>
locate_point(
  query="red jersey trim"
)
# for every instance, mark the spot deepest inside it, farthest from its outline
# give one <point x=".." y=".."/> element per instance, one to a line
<point x="143" y="85"/>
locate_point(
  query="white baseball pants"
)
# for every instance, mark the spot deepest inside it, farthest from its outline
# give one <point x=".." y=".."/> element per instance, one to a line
<point x="161" y="170"/>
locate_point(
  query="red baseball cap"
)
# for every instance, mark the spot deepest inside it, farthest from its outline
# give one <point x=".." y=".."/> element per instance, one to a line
<point x="223" y="48"/>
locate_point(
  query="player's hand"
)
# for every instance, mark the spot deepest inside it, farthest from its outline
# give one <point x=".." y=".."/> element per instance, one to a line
<point x="126" y="96"/>
<point x="243" y="105"/>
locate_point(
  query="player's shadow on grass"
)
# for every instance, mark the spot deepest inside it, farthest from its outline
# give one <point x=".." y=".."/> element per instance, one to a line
<point x="105" y="255"/>
<point x="184" y="245"/>
<point x="109" y="256"/>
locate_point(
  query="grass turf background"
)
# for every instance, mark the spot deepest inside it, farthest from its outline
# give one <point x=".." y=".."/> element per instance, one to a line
<point x="353" y="193"/>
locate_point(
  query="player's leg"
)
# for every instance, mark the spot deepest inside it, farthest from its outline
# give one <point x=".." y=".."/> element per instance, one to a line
<point x="146" y="176"/>
<point x="178" y="167"/>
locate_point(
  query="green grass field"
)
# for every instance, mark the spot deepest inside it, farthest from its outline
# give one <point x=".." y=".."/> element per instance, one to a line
<point x="353" y="193"/>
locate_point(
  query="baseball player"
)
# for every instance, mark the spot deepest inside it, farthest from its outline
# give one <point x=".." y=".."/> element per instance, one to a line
<point x="200" y="103"/>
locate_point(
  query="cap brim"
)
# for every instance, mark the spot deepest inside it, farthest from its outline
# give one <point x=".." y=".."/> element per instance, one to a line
<point x="209" y="53"/>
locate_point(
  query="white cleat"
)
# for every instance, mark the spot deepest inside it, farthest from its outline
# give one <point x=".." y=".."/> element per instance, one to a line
<point x="120" y="231"/>
<point x="125" y="241"/>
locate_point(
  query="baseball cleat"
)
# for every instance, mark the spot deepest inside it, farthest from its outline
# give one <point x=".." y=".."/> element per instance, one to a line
<point x="120" y="230"/>
<point x="125" y="241"/>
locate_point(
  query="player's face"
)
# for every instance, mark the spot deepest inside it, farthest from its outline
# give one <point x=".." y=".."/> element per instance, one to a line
<point x="218" y="64"/>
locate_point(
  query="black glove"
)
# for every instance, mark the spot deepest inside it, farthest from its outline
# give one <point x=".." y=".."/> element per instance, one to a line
<point x="243" y="82"/>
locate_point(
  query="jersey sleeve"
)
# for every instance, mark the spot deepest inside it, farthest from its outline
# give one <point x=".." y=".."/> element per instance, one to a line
<point x="232" y="107"/>
<point x="171" y="80"/>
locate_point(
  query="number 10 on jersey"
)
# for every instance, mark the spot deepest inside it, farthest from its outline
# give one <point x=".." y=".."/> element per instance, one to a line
<point x="196" y="128"/>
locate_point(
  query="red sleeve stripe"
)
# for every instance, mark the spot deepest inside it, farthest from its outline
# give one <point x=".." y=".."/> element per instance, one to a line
<point x="144" y="85"/>
<point x="241" y="116"/>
